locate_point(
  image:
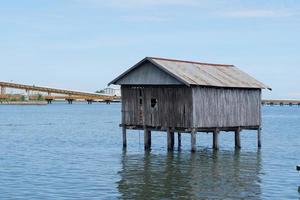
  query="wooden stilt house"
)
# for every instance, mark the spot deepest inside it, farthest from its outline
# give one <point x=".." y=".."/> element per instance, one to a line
<point x="170" y="95"/>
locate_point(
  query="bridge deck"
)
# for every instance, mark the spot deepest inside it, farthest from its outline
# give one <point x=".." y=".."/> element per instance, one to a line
<point x="71" y="93"/>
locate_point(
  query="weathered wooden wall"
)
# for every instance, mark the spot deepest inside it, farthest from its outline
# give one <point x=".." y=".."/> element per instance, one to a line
<point x="226" y="107"/>
<point x="173" y="109"/>
<point x="191" y="107"/>
<point x="148" y="74"/>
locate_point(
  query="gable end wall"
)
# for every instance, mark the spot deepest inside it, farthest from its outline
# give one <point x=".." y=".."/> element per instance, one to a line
<point x="148" y="74"/>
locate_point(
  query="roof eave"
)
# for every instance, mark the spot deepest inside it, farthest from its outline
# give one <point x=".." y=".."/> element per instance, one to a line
<point x="239" y="87"/>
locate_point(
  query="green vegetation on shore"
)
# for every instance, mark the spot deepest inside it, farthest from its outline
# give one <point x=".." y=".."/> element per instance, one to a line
<point x="22" y="98"/>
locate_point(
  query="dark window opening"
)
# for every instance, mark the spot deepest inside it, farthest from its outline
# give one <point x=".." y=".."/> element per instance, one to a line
<point x="153" y="103"/>
<point x="140" y="92"/>
<point x="141" y="101"/>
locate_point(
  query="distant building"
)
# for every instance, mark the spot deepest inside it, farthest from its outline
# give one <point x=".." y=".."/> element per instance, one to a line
<point x="112" y="91"/>
<point x="170" y="95"/>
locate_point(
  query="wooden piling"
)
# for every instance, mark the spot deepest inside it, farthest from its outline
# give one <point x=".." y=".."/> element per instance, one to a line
<point x="193" y="141"/>
<point x="170" y="140"/>
<point x="147" y="139"/>
<point x="179" y="140"/>
<point x="216" y="139"/>
<point x="237" y="139"/>
<point x="124" y="137"/>
<point x="259" y="137"/>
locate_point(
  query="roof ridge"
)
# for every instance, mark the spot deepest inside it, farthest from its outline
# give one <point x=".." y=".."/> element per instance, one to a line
<point x="192" y="62"/>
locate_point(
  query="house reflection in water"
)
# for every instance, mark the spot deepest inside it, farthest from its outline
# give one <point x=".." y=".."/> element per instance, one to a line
<point x="210" y="174"/>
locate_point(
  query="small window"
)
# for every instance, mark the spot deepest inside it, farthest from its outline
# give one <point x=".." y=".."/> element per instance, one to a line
<point x="153" y="103"/>
<point x="141" y="101"/>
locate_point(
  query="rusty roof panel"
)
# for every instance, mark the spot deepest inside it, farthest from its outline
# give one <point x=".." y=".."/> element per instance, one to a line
<point x="205" y="74"/>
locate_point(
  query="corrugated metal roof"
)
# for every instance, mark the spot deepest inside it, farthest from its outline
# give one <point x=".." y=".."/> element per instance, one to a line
<point x="219" y="75"/>
<point x="205" y="74"/>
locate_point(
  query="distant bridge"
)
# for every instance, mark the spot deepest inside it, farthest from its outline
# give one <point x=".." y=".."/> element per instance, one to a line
<point x="282" y="102"/>
<point x="68" y="95"/>
<point x="71" y="95"/>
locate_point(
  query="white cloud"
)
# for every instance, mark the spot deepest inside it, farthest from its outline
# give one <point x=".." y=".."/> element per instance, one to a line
<point x="141" y="3"/>
<point x="261" y="13"/>
<point x="145" y="18"/>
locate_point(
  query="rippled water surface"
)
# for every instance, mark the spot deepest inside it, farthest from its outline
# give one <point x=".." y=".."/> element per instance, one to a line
<point x="74" y="151"/>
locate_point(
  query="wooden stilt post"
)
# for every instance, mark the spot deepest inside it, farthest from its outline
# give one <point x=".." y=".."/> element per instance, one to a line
<point x="216" y="139"/>
<point x="124" y="136"/>
<point x="147" y="139"/>
<point x="259" y="137"/>
<point x="179" y="140"/>
<point x="193" y="140"/>
<point x="237" y="139"/>
<point x="170" y="139"/>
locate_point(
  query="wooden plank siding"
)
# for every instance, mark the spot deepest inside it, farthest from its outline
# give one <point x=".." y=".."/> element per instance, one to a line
<point x="190" y="107"/>
<point x="226" y="107"/>
<point x="148" y="74"/>
<point x="173" y="109"/>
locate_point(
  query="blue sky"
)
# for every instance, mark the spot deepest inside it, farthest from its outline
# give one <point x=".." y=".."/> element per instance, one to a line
<point x="84" y="44"/>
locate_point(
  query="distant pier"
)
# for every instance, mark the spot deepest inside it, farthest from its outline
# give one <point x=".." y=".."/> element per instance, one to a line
<point x="31" y="103"/>
<point x="282" y="102"/>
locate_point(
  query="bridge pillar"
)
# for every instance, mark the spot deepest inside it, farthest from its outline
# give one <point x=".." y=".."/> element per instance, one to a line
<point x="89" y="101"/>
<point x="27" y="95"/>
<point x="49" y="101"/>
<point x="70" y="101"/>
<point x="3" y="90"/>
